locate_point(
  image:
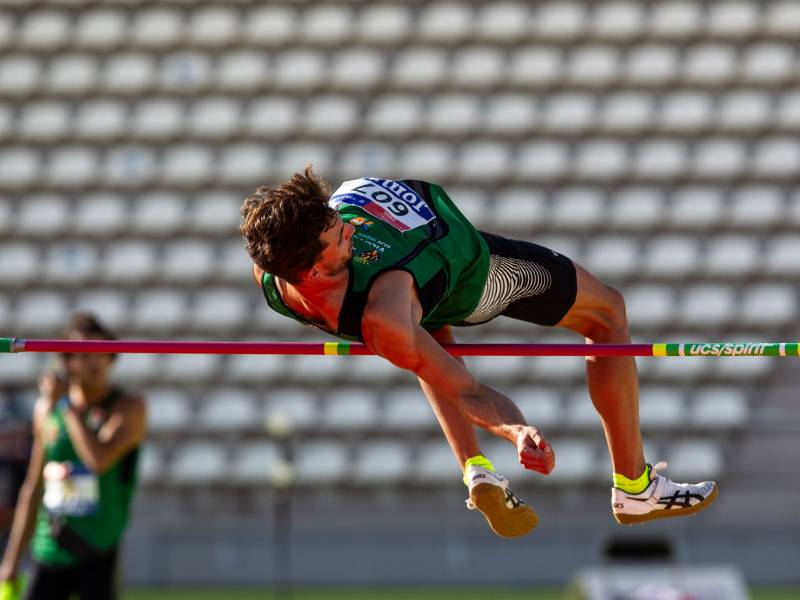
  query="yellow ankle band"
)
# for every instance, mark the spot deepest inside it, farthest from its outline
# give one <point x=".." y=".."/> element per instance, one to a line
<point x="633" y="486"/>
<point x="478" y="461"/>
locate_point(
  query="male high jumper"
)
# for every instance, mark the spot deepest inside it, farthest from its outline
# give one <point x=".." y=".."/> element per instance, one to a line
<point x="396" y="265"/>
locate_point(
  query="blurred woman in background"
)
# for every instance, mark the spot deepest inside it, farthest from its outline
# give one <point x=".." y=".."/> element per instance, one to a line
<point x="81" y="476"/>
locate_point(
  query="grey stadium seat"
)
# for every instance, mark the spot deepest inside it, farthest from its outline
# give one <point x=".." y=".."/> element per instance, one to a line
<point x="321" y="463"/>
<point x="45" y="120"/>
<point x="384" y="24"/>
<point x="449" y="21"/>
<point x="288" y="409"/>
<point x="229" y="409"/>
<point x="199" y="463"/>
<point x="158" y="310"/>
<point x="168" y="410"/>
<point x="42" y="215"/>
<point x="270" y="25"/>
<point x="190" y="368"/>
<point x="381" y="462"/>
<point x="19" y="74"/>
<point x="349" y="409"/>
<point x="99" y="215"/>
<point x="159" y="212"/>
<point x="129" y="261"/>
<point x="109" y="305"/>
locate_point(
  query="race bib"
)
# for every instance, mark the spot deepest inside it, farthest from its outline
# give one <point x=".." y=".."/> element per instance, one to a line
<point x="70" y="490"/>
<point x="390" y="201"/>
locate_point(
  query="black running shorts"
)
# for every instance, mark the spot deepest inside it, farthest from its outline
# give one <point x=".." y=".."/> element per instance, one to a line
<point x="526" y="282"/>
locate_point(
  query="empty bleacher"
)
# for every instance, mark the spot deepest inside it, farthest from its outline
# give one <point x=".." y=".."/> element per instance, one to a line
<point x="653" y="142"/>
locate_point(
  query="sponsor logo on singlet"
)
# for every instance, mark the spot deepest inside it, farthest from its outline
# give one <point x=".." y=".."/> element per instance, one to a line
<point x="368" y="256"/>
<point x="389" y="201"/>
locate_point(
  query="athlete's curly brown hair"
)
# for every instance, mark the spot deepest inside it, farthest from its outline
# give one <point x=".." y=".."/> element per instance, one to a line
<point x="282" y="225"/>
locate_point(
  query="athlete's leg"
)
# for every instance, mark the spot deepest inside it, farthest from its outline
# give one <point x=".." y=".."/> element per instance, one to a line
<point x="599" y="315"/>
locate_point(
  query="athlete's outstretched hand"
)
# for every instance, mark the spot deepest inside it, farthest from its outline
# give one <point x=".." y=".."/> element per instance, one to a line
<point x="534" y="451"/>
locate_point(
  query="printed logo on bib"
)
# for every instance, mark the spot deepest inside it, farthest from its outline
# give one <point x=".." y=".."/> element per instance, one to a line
<point x="390" y="201"/>
<point x="70" y="489"/>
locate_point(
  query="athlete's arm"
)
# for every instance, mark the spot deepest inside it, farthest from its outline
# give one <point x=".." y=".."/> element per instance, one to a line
<point x="123" y="430"/>
<point x="391" y="328"/>
<point x="30" y="495"/>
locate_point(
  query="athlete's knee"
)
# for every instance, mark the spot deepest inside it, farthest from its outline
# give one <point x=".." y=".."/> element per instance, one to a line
<point x="609" y="320"/>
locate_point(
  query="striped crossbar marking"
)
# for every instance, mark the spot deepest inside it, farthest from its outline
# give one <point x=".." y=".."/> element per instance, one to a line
<point x="336" y="348"/>
<point x="659" y="350"/>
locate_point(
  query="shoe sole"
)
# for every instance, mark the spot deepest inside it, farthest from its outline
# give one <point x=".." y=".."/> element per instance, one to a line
<point x="625" y="519"/>
<point x="505" y="522"/>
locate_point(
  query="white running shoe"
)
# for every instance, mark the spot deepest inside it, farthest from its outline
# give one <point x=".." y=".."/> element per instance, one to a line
<point x="508" y="516"/>
<point x="663" y="498"/>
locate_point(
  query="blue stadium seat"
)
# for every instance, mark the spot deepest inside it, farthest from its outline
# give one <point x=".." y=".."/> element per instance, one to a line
<point x="71" y="263"/>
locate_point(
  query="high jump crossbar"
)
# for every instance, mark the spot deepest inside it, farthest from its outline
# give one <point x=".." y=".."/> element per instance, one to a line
<point x="15" y="345"/>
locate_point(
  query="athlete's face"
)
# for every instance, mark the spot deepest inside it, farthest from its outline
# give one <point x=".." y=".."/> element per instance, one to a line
<point x="87" y="368"/>
<point x="338" y="240"/>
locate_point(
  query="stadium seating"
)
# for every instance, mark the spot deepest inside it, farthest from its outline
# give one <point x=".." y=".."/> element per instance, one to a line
<point x="653" y="143"/>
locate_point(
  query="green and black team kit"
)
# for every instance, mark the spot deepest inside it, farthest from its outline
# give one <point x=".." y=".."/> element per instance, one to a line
<point x="82" y="516"/>
<point x="463" y="276"/>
